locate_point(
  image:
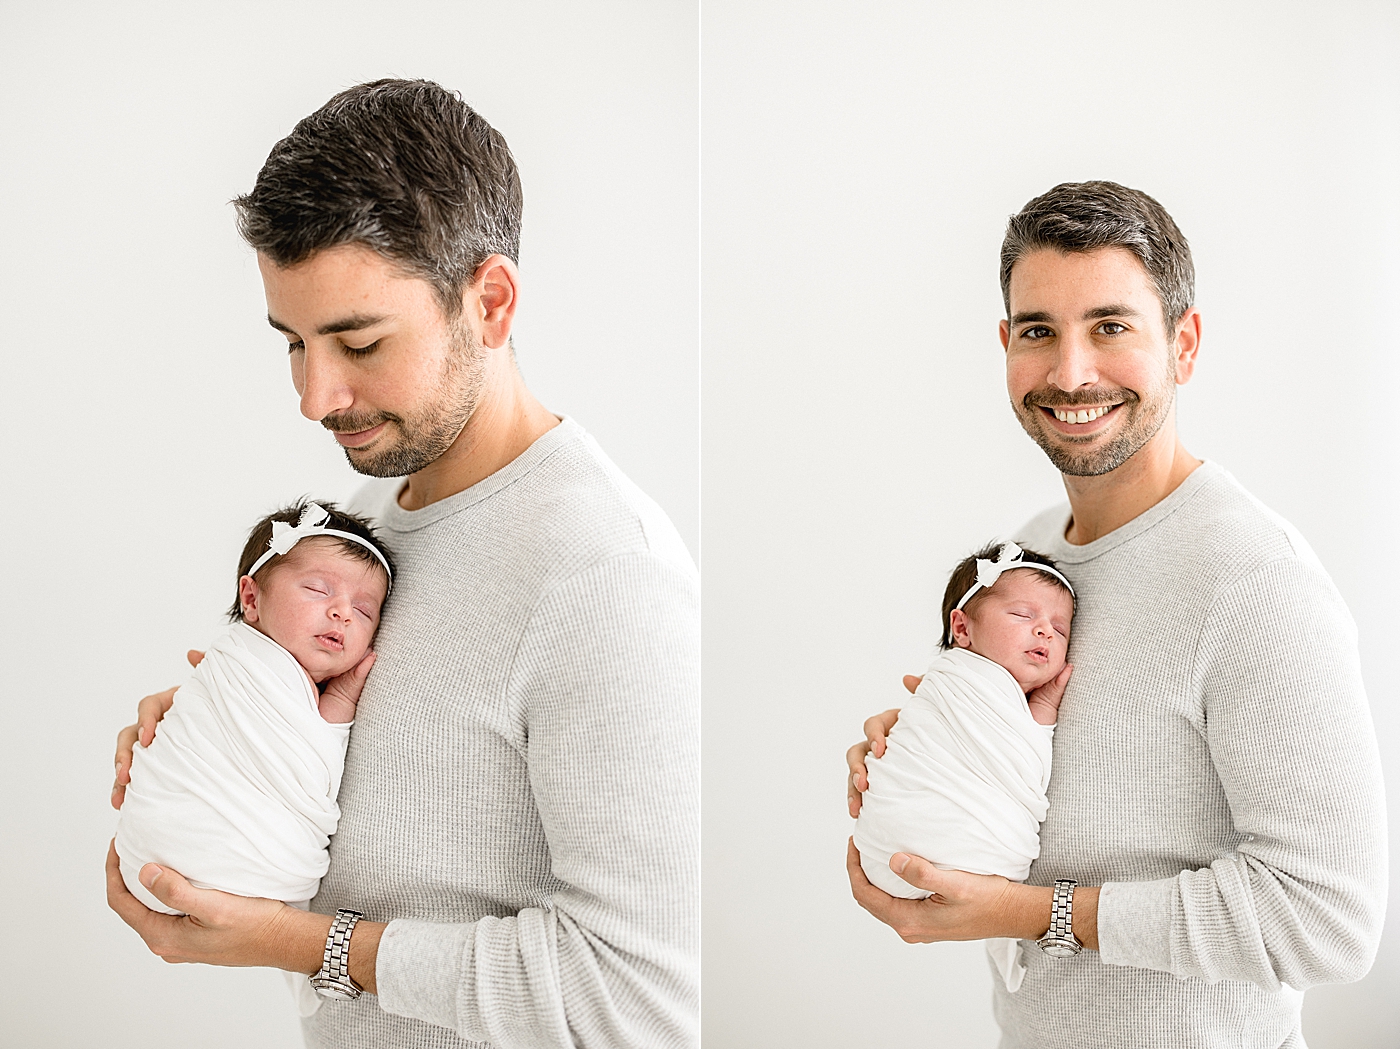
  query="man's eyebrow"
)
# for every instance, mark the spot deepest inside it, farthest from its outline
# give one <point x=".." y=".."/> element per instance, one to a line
<point x="354" y="322"/>
<point x="1033" y="315"/>
<point x="1113" y="309"/>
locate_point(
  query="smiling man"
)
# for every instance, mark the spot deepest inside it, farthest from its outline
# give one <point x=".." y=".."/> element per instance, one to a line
<point x="1216" y="839"/>
<point x="516" y="862"/>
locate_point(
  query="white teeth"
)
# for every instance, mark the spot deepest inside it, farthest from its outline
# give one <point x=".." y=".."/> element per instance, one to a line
<point x="1081" y="416"/>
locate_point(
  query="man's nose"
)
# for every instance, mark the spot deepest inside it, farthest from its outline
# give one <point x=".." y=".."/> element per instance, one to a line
<point x="1074" y="363"/>
<point x="321" y="380"/>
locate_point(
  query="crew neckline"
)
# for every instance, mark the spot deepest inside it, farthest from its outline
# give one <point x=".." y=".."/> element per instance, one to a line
<point x="396" y="518"/>
<point x="1063" y="550"/>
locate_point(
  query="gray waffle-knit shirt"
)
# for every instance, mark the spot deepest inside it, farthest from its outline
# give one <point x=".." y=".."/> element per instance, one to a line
<point x="521" y="792"/>
<point x="1216" y="771"/>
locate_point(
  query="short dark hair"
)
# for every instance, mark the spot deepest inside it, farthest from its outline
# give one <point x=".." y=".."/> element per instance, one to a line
<point x="1086" y="216"/>
<point x="404" y="167"/>
<point x="339" y="520"/>
<point x="965" y="574"/>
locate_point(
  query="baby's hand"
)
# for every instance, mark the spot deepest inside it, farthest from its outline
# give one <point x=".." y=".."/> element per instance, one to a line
<point x="1045" y="700"/>
<point x="342" y="693"/>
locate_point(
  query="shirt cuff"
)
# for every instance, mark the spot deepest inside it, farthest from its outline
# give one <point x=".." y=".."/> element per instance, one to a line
<point x="419" y="969"/>
<point x="1135" y="923"/>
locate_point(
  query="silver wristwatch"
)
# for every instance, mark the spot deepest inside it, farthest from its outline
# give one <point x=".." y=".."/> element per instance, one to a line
<point x="333" y="981"/>
<point x="1059" y="941"/>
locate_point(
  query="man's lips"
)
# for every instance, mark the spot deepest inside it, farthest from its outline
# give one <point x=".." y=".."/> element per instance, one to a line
<point x="361" y="437"/>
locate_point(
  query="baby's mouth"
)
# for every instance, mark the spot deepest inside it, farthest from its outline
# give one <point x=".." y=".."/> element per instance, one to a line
<point x="333" y="640"/>
<point x="1040" y="655"/>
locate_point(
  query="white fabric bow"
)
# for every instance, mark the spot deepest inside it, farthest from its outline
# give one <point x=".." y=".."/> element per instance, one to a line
<point x="988" y="572"/>
<point x="284" y="536"/>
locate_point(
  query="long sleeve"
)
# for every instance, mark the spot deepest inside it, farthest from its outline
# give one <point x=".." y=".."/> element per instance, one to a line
<point x="1300" y="899"/>
<point x="606" y="678"/>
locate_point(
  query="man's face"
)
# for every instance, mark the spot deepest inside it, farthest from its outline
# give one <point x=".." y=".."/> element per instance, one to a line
<point x="1090" y="369"/>
<point x="373" y="357"/>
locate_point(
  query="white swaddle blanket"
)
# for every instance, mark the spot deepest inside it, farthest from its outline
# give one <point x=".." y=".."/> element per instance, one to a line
<point x="962" y="784"/>
<point x="237" y="791"/>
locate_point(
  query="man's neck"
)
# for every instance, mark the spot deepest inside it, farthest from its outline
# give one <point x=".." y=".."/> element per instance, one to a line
<point x="506" y="421"/>
<point x="1100" y="505"/>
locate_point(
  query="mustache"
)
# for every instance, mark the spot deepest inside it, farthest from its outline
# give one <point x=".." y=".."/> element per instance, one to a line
<point x="355" y="422"/>
<point x="1048" y="398"/>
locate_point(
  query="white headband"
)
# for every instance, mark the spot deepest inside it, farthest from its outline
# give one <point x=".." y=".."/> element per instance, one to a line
<point x="988" y="572"/>
<point x="284" y="537"/>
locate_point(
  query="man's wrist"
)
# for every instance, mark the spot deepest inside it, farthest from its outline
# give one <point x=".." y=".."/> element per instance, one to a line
<point x="1028" y="913"/>
<point x="303" y="945"/>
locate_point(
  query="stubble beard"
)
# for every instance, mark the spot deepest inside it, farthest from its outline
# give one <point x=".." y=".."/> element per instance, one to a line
<point x="1143" y="420"/>
<point x="425" y="435"/>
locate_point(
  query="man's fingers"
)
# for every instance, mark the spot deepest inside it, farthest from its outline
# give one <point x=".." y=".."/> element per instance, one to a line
<point x="149" y="713"/>
<point x="855" y="776"/>
<point x="195" y="657"/>
<point x="878" y="727"/>
<point x="126" y="738"/>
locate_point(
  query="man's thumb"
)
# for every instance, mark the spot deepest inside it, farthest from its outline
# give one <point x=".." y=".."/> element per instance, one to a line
<point x="165" y="885"/>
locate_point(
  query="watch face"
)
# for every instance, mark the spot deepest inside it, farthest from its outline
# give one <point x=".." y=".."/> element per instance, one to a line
<point x="335" y="991"/>
<point x="1059" y="947"/>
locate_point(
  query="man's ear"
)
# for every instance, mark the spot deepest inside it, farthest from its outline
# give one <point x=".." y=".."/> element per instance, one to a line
<point x="957" y="625"/>
<point x="1004" y="330"/>
<point x="248" y="594"/>
<point x="491" y="298"/>
<point x="1188" y="341"/>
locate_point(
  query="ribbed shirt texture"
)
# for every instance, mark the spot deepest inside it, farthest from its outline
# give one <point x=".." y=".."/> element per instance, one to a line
<point x="1216" y="771"/>
<point x="521" y="793"/>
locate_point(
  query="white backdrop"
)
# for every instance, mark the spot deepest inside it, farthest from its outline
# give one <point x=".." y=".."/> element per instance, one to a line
<point x="859" y="166"/>
<point x="149" y="413"/>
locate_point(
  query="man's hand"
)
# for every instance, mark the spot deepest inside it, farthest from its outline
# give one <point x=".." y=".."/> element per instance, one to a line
<point x="219" y="928"/>
<point x="148" y="712"/>
<point x="1045" y="700"/>
<point x="876" y="729"/>
<point x="967" y="906"/>
<point x="342" y="694"/>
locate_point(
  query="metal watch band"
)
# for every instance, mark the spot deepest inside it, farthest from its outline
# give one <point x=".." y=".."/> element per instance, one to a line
<point x="333" y="981"/>
<point x="1062" y="909"/>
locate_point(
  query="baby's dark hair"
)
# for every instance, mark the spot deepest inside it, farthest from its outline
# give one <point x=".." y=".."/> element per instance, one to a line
<point x="960" y="582"/>
<point x="338" y="520"/>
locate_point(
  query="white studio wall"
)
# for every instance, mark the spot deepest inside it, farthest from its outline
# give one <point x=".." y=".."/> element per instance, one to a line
<point x="859" y="167"/>
<point x="150" y="414"/>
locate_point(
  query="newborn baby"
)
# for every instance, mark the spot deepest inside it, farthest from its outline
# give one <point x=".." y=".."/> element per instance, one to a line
<point x="963" y="777"/>
<point x="237" y="791"/>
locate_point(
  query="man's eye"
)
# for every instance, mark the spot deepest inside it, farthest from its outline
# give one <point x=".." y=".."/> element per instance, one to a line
<point x="1039" y="331"/>
<point x="1112" y="328"/>
<point x="363" y="351"/>
<point x="293" y="347"/>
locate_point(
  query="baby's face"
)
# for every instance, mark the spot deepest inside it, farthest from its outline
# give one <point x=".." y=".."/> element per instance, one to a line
<point x="320" y="604"/>
<point x="1022" y="622"/>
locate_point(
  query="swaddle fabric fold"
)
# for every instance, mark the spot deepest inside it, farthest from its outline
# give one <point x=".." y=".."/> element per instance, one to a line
<point x="238" y="790"/>
<point x="962" y="783"/>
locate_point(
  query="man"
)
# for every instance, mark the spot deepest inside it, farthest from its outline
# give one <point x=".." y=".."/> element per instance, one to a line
<point x="519" y="809"/>
<point x="1216" y="791"/>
